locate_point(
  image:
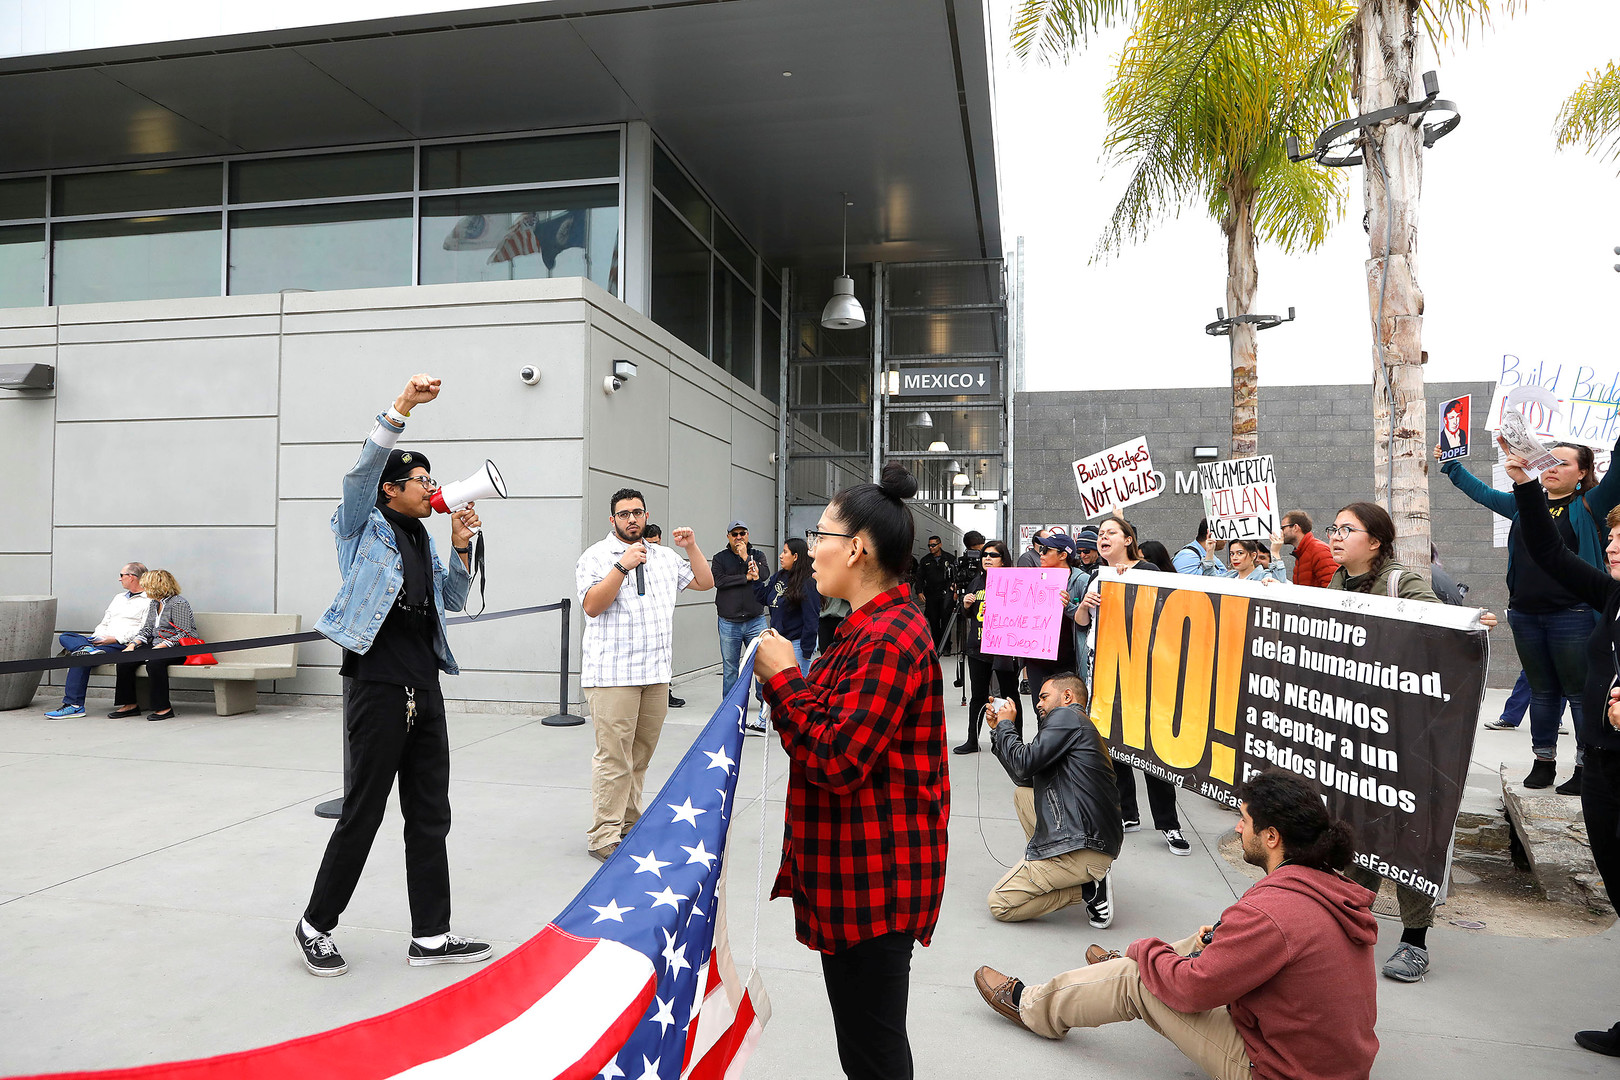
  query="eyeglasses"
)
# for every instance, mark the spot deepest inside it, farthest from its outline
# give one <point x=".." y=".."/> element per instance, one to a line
<point x="630" y="515"/>
<point x="1333" y="532"/>
<point x="814" y="536"/>
<point x="738" y="533"/>
<point x="427" y="482"/>
<point x="126" y="574"/>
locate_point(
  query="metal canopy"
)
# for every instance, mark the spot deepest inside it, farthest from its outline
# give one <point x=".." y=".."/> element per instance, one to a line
<point x="888" y="101"/>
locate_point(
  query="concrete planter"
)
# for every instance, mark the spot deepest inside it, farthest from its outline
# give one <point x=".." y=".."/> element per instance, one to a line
<point x="26" y="624"/>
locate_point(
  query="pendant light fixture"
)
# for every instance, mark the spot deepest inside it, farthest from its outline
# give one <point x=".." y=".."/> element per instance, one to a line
<point x="843" y="311"/>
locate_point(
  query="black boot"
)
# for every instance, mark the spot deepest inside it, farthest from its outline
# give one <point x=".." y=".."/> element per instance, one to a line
<point x="1542" y="774"/>
<point x="966" y="748"/>
<point x="1601" y="1042"/>
<point x="1572" y="786"/>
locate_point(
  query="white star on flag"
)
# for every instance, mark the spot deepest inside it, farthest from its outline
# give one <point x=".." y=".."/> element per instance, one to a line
<point x="667" y="896"/>
<point x="698" y="854"/>
<point x="686" y="812"/>
<point x="665" y="1015"/>
<point x="676" y="957"/>
<point x="649" y="863"/>
<point x="719" y="760"/>
<point x="612" y="910"/>
<point x="649" y="1069"/>
<point x="612" y="1072"/>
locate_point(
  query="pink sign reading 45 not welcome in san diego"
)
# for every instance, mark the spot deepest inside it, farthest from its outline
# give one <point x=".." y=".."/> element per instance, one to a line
<point x="1023" y="611"/>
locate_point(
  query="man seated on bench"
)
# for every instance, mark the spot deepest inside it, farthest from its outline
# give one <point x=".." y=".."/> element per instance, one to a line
<point x="118" y="626"/>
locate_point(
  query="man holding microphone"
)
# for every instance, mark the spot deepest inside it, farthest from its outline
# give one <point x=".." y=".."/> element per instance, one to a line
<point x="628" y="590"/>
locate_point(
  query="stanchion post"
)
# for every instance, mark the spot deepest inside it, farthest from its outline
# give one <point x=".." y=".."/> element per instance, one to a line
<point x="333" y="808"/>
<point x="564" y="718"/>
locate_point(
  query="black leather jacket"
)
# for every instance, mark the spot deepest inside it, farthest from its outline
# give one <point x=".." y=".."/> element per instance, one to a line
<point x="1076" y="800"/>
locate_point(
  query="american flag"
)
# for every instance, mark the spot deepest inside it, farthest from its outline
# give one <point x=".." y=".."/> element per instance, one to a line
<point x="547" y="237"/>
<point x="633" y="980"/>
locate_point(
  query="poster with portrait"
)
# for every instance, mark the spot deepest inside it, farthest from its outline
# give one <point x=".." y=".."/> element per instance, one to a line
<point x="1454" y="429"/>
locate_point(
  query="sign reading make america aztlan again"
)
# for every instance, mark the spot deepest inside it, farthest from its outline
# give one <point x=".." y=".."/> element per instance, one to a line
<point x="1205" y="681"/>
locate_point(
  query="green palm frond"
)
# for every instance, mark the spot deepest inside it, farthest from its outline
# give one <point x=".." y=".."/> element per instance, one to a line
<point x="1591" y="115"/>
<point x="1442" y="18"/>
<point x="1055" y="29"/>
<point x="1206" y="92"/>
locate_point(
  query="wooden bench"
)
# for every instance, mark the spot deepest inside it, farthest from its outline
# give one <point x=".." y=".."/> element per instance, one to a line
<point x="237" y="675"/>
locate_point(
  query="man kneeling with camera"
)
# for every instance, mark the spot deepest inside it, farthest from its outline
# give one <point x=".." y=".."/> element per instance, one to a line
<point x="1282" y="987"/>
<point x="1068" y="803"/>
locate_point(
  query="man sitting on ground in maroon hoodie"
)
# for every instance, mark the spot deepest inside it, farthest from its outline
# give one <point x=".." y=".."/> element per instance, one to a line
<point x="1283" y="985"/>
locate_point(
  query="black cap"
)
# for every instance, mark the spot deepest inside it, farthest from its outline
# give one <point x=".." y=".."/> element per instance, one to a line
<point x="401" y="463"/>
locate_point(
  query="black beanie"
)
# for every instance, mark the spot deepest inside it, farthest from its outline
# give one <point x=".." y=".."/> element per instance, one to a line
<point x="400" y="465"/>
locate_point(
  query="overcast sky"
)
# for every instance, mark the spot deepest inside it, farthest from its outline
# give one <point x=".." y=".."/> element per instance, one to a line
<point x="1514" y="245"/>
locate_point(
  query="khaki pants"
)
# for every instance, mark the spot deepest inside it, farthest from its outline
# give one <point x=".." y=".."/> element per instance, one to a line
<point x="1032" y="889"/>
<point x="628" y="720"/>
<point x="1111" y="991"/>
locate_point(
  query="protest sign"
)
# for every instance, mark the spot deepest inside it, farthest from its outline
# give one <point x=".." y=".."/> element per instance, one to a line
<point x="1454" y="429"/>
<point x="1580" y="405"/>
<point x="1116" y="477"/>
<point x="1516" y="433"/>
<point x="1240" y="497"/>
<point x="1023" y="611"/>
<point x="1371" y="700"/>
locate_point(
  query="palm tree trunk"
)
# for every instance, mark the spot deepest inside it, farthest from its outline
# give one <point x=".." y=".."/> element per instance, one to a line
<point x="1242" y="277"/>
<point x="1386" y="43"/>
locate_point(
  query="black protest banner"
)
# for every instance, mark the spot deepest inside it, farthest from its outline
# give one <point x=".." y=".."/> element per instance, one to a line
<point x="1206" y="681"/>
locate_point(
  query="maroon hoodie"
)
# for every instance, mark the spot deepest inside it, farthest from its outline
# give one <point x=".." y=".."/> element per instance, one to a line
<point x="1293" y="963"/>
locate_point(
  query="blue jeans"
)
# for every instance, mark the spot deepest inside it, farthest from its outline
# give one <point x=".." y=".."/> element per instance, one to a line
<point x="804" y="657"/>
<point x="735" y="634"/>
<point x="78" y="678"/>
<point x="1552" y="648"/>
<point x="1518" y="701"/>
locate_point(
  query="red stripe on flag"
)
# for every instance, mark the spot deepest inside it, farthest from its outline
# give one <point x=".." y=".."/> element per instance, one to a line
<point x="720" y="1056"/>
<point x="439" y="1024"/>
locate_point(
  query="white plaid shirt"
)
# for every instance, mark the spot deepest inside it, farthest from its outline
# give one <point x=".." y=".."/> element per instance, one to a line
<point x="629" y="644"/>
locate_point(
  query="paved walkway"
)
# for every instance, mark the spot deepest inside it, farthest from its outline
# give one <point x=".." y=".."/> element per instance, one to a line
<point x="150" y="876"/>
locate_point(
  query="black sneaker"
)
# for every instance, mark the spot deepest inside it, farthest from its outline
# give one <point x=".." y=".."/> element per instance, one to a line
<point x="1100" y="908"/>
<point x="1176" y="842"/>
<point x="1600" y="1042"/>
<point x="1133" y="824"/>
<point x="455" y="950"/>
<point x="320" y="955"/>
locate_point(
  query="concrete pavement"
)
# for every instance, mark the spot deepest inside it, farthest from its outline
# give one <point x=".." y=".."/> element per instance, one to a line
<point x="151" y="873"/>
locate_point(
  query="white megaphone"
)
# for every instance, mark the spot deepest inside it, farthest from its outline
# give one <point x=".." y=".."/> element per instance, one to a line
<point x="486" y="483"/>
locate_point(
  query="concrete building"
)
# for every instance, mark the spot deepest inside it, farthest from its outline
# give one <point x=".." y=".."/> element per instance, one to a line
<point x="230" y="238"/>
<point x="1320" y="436"/>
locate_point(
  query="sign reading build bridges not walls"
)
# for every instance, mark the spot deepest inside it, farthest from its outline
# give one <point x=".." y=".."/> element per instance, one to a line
<point x="1206" y="681"/>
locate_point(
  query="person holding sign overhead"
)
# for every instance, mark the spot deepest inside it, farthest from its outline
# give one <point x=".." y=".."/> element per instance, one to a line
<point x="1116" y="543"/>
<point x="1245" y="557"/>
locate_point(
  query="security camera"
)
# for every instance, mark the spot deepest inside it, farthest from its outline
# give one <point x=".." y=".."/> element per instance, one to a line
<point x="612" y="385"/>
<point x="530" y="375"/>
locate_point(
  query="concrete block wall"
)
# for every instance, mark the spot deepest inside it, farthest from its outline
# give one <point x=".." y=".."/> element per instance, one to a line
<point x="1321" y="437"/>
<point x="210" y="436"/>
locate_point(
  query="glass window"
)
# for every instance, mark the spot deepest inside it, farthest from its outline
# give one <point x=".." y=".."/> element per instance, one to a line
<point x="22" y="266"/>
<point x="733" y="250"/>
<point x="522" y="161"/>
<point x="561" y="232"/>
<point x="680" y="279"/>
<point x="734" y="341"/>
<point x="146" y="258"/>
<point x="353" y="246"/>
<point x="770" y="285"/>
<point x="770" y="353"/>
<point x="136" y="189"/>
<point x="22" y="198"/>
<point x="674" y="186"/>
<point x="323" y="176"/>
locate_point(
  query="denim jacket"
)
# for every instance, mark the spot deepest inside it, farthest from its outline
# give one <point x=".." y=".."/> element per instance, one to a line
<point x="369" y="560"/>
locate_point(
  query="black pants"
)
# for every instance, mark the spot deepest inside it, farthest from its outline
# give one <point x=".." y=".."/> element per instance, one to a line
<point x="825" y="630"/>
<point x="980" y="675"/>
<point x="380" y="748"/>
<point x="1161" y="798"/>
<point x="1600" y="805"/>
<point x="157" y="671"/>
<point x="867" y="987"/>
<point x="937" y="609"/>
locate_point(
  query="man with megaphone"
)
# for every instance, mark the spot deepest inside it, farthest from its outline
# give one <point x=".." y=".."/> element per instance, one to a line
<point x="389" y="619"/>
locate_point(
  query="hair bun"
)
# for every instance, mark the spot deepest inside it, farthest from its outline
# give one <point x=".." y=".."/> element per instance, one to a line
<point x="897" y="482"/>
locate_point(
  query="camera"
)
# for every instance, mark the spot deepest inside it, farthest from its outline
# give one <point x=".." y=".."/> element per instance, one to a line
<point x="969" y="565"/>
<point x="530" y="374"/>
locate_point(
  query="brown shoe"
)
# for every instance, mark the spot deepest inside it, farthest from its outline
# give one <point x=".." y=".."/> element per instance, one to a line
<point x="601" y="854"/>
<point x="1096" y="954"/>
<point x="998" y="991"/>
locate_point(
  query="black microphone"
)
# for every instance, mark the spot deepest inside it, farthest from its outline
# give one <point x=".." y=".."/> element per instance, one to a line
<point x="641" y="580"/>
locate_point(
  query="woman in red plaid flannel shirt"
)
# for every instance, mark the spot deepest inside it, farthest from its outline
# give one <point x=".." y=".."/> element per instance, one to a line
<point x="868" y="793"/>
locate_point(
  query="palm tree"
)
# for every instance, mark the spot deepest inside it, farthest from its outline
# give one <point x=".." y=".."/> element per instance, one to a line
<point x="1203" y="97"/>
<point x="1591" y="115"/>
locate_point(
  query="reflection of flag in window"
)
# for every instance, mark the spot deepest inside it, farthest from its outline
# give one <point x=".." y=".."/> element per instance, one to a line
<point x="547" y="236"/>
<point x="634" y="979"/>
<point x="476" y="232"/>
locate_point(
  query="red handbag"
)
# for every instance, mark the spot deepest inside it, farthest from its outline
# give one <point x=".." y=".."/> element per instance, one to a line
<point x="201" y="659"/>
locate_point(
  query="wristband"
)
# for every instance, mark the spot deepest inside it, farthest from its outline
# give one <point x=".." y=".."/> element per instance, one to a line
<point x="620" y="569"/>
<point x="462" y="551"/>
<point x="396" y="416"/>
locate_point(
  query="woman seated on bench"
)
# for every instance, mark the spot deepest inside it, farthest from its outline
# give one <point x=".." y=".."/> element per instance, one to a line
<point x="168" y="619"/>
